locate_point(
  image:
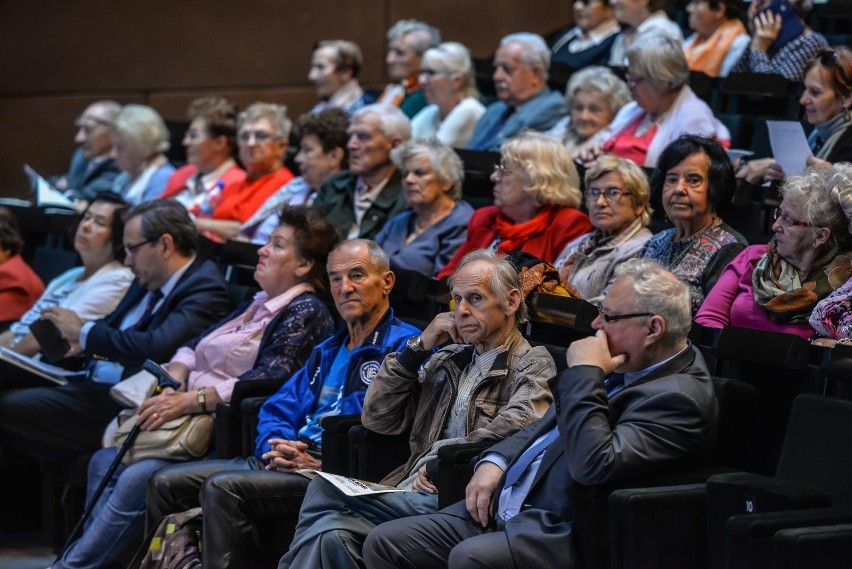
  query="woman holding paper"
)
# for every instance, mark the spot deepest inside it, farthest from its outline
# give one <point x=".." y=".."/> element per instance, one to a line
<point x="776" y="286"/>
<point x="827" y="100"/>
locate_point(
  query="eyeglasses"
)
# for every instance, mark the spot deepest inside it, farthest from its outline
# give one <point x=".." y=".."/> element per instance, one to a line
<point x="611" y="195"/>
<point x="131" y="249"/>
<point x="610" y="318"/>
<point x="88" y="124"/>
<point x="786" y="220"/>
<point x="431" y="72"/>
<point x="501" y="169"/>
<point x="258" y="135"/>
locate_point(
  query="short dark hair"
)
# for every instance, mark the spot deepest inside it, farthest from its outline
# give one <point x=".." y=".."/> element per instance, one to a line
<point x="10" y="237"/>
<point x="315" y="238"/>
<point x="347" y="55"/>
<point x="329" y="126"/>
<point x="720" y="175"/>
<point x="733" y="8"/>
<point x="160" y="217"/>
<point x="116" y="234"/>
<point x="220" y="114"/>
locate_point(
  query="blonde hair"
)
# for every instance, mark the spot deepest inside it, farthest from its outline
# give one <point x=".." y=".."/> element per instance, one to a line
<point x="143" y="128"/>
<point x="634" y="179"/>
<point x="549" y="172"/>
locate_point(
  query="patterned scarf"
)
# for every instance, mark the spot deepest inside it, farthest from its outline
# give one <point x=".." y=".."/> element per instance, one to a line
<point x="788" y="297"/>
<point x="513" y="235"/>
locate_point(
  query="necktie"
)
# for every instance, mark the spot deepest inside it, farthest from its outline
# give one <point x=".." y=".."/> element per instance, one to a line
<point x="153" y="299"/>
<point x="613" y="384"/>
<point x="516" y="471"/>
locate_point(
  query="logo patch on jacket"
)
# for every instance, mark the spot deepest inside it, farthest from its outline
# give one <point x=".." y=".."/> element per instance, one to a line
<point x="369" y="370"/>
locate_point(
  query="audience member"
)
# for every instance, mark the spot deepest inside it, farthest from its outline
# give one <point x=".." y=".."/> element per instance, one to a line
<point x="593" y="96"/>
<point x="636" y="399"/>
<point x="263" y="130"/>
<point x="720" y="37"/>
<point x="617" y="195"/>
<point x="663" y="106"/>
<point x="427" y="236"/>
<point x="640" y="18"/>
<point x="536" y="196"/>
<point x="448" y="399"/>
<point x="175" y="297"/>
<point x="139" y="139"/>
<point x="92" y="168"/>
<point x="322" y="153"/>
<point x="211" y="145"/>
<point x="521" y="67"/>
<point x="450" y="89"/>
<point x="289" y="434"/>
<point x="693" y="175"/>
<point x="827" y="100"/>
<point x="408" y="40"/>
<point x="20" y="286"/>
<point x="93" y="290"/>
<point x="335" y="66"/>
<point x="781" y="42"/>
<point x="776" y="286"/>
<point x="589" y="41"/>
<point x="360" y="201"/>
<point x="268" y="338"/>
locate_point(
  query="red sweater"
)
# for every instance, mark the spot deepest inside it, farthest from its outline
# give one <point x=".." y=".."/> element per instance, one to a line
<point x="20" y="288"/>
<point x="240" y="201"/>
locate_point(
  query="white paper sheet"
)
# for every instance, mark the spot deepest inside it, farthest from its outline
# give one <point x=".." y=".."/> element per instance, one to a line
<point x="789" y="145"/>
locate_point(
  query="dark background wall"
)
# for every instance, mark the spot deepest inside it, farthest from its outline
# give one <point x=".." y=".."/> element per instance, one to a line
<point x="58" y="56"/>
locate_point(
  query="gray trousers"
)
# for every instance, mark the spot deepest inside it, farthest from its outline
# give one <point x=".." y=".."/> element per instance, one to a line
<point x="332" y="526"/>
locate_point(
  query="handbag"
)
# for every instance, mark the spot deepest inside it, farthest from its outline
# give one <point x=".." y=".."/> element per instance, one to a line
<point x="181" y="439"/>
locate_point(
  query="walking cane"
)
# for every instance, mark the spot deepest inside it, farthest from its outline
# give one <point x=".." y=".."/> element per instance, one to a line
<point x="164" y="380"/>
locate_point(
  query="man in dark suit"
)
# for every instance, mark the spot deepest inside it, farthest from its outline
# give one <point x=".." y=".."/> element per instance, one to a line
<point x="175" y="297"/>
<point x="655" y="410"/>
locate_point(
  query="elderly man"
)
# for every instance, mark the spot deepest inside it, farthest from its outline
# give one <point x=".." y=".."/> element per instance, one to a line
<point x="521" y="65"/>
<point x="174" y="297"/>
<point x="359" y="201"/>
<point x="92" y="168"/>
<point x="333" y="382"/>
<point x="408" y="40"/>
<point x="640" y="17"/>
<point x="485" y="385"/>
<point x="335" y="66"/>
<point x="635" y="398"/>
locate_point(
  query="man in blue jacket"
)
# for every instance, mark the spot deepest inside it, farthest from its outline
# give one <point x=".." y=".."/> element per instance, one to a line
<point x="237" y="495"/>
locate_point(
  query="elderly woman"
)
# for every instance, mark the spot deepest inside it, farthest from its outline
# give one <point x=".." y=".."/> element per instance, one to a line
<point x="425" y="238"/>
<point x="776" y="286"/>
<point x="663" y="106"/>
<point x="446" y="76"/>
<point x="693" y="175"/>
<point x="827" y="100"/>
<point x="139" y="138"/>
<point x="617" y="195"/>
<point x="590" y="40"/>
<point x="211" y="146"/>
<point x="720" y="37"/>
<point x="263" y="131"/>
<point x="20" y="287"/>
<point x="781" y="41"/>
<point x="593" y="96"/>
<point x="536" y="196"/>
<point x="271" y="337"/>
<point x="93" y="290"/>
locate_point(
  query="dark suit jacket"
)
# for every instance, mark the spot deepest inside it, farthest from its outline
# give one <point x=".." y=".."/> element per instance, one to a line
<point x="665" y="419"/>
<point x="83" y="184"/>
<point x="335" y="201"/>
<point x="199" y="299"/>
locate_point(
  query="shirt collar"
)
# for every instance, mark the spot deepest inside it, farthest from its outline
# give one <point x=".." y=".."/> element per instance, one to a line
<point x="172" y="281"/>
<point x="632" y="376"/>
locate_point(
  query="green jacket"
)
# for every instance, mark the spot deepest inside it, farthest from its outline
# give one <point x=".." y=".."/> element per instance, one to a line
<point x="335" y="202"/>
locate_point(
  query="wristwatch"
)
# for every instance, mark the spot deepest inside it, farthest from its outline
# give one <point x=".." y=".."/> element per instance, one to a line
<point x="201" y="397"/>
<point x="415" y="344"/>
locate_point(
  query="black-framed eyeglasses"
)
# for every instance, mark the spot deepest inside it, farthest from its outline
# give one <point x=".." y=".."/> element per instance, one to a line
<point x="610" y="318"/>
<point x="786" y="220"/>
<point x="130" y="249"/>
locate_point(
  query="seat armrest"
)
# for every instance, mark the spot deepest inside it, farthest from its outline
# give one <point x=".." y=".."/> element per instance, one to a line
<point x="249" y="411"/>
<point x="455" y="468"/>
<point x="820" y="546"/>
<point x="372" y="455"/>
<point x="335" y="442"/>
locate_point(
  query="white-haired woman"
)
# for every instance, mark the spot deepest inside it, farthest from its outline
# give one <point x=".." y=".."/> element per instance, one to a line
<point x="446" y="76"/>
<point x="663" y="106"/>
<point x="593" y="96"/>
<point x="139" y="138"/>
<point x="426" y="237"/>
<point x="536" y="196"/>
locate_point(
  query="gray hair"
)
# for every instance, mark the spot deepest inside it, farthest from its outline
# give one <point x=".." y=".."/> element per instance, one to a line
<point x="275" y="114"/>
<point x="393" y="122"/>
<point x="660" y="60"/>
<point x="106" y="109"/>
<point x="824" y="197"/>
<point x="444" y="161"/>
<point x="142" y="127"/>
<point x="377" y="255"/>
<point x="632" y="175"/>
<point x="504" y="278"/>
<point x="453" y="57"/>
<point x="535" y="52"/>
<point x="602" y="80"/>
<point x="660" y="292"/>
<point x="429" y="36"/>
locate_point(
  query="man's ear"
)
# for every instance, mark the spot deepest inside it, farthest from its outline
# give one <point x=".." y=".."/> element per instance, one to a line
<point x="821" y="236"/>
<point x="656" y="329"/>
<point x="166" y="243"/>
<point x="513" y="302"/>
<point x="390" y="280"/>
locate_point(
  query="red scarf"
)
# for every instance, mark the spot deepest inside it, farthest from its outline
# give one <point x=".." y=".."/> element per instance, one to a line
<point x="513" y="236"/>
